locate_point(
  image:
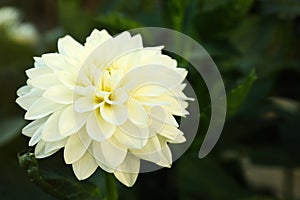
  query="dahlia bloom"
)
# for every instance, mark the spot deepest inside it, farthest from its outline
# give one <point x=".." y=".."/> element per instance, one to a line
<point x="109" y="103"/>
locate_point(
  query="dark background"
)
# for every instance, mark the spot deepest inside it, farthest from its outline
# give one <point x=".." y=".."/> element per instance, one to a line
<point x="255" y="44"/>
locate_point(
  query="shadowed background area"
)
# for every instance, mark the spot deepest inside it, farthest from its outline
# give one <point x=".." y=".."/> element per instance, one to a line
<point x="255" y="44"/>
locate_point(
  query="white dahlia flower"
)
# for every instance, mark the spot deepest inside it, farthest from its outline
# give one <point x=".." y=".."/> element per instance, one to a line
<point x="108" y="103"/>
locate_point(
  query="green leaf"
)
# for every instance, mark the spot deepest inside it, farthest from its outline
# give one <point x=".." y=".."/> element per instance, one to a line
<point x="237" y="95"/>
<point x="55" y="185"/>
<point x="116" y="22"/>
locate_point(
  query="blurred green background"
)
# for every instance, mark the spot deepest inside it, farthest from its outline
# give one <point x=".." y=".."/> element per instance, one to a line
<point x="255" y="44"/>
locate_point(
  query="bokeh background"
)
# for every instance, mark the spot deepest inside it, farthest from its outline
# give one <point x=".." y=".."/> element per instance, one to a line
<point x="255" y="44"/>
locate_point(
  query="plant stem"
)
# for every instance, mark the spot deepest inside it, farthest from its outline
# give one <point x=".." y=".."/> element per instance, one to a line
<point x="111" y="187"/>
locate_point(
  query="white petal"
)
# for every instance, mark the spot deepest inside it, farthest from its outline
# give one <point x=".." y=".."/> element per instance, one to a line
<point x="151" y="151"/>
<point x="150" y="101"/>
<point x="66" y="78"/>
<point x="70" y="121"/>
<point x="115" y="114"/>
<point x="99" y="129"/>
<point x="23" y="90"/>
<point x="74" y="149"/>
<point x="38" y="71"/>
<point x="109" y="152"/>
<point x="44" y="81"/>
<point x="158" y="113"/>
<point x="132" y="136"/>
<point x="137" y="114"/>
<point x="27" y="100"/>
<point x="41" y="108"/>
<point x="57" y="61"/>
<point x="37" y="136"/>
<point x="84" y="167"/>
<point x="39" y="151"/>
<point x="85" y="104"/>
<point x="172" y="134"/>
<point x="128" y="171"/>
<point x="150" y="90"/>
<point x="146" y="74"/>
<point x="54" y="146"/>
<point x="166" y="155"/>
<point x="70" y="47"/>
<point x="59" y="94"/>
<point x="50" y="131"/>
<point x="96" y="38"/>
<point x="32" y="127"/>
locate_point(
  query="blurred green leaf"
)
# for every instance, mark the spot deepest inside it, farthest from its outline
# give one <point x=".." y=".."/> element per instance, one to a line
<point x="237" y="95"/>
<point x="116" y="22"/>
<point x="288" y="9"/>
<point x="57" y="186"/>
<point x="74" y="19"/>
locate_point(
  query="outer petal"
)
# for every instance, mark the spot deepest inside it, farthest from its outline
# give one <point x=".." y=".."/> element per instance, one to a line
<point x="25" y="101"/>
<point x="172" y="134"/>
<point x="151" y="151"/>
<point x="96" y="38"/>
<point x="70" y="47"/>
<point x="37" y="136"/>
<point x="54" y="146"/>
<point x="40" y="152"/>
<point x="84" y="167"/>
<point x="128" y="171"/>
<point x="41" y="108"/>
<point x="74" y="149"/>
<point x="32" y="127"/>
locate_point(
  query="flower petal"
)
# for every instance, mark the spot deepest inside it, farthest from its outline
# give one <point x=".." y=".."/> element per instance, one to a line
<point x="85" y="104"/>
<point x="59" y="94"/>
<point x="96" y="38"/>
<point x="84" y="167"/>
<point x="32" y="127"/>
<point x="43" y="81"/>
<point x="39" y="151"/>
<point x="115" y="114"/>
<point x="28" y="99"/>
<point x="23" y="90"/>
<point x="109" y="152"/>
<point x="41" y="108"/>
<point x="128" y="171"/>
<point x="137" y="114"/>
<point x="99" y="129"/>
<point x="150" y="152"/>
<point x="70" y="121"/>
<point x="50" y="131"/>
<point x="54" y="146"/>
<point x="172" y="134"/>
<point x="37" y="136"/>
<point x="74" y="149"/>
<point x="70" y="47"/>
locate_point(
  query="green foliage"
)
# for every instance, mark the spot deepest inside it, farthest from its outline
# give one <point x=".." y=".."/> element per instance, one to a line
<point x="57" y="186"/>
<point x="237" y="95"/>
